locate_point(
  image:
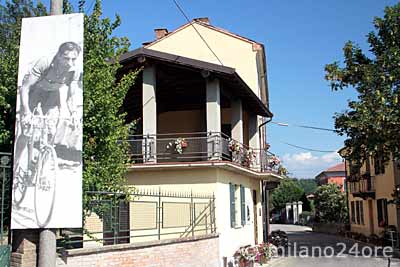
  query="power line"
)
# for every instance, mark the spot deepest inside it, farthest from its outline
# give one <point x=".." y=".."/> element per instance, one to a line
<point x="309" y="149"/>
<point x="303" y="126"/>
<point x="91" y="5"/>
<point x="204" y="40"/>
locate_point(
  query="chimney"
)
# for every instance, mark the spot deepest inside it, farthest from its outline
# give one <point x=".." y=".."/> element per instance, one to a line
<point x="160" y="33"/>
<point x="204" y="20"/>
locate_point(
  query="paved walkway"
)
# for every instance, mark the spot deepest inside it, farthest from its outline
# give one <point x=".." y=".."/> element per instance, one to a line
<point x="309" y="249"/>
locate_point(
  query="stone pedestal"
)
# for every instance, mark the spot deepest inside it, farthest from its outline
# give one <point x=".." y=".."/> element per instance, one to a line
<point x="25" y="244"/>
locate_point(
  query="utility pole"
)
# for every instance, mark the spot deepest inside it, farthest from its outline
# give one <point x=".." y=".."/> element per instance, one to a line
<point x="56" y="7"/>
<point x="47" y="237"/>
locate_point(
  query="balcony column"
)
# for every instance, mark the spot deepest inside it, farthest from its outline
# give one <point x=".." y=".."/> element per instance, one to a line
<point x="237" y="120"/>
<point x="237" y="128"/>
<point x="149" y="114"/>
<point x="253" y="132"/>
<point x="254" y="141"/>
<point x="213" y="111"/>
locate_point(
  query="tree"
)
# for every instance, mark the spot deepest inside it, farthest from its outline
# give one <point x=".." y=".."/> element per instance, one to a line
<point x="308" y="185"/>
<point x="11" y="14"/>
<point x="330" y="204"/>
<point x="287" y="191"/>
<point x="372" y="122"/>
<point x="104" y="151"/>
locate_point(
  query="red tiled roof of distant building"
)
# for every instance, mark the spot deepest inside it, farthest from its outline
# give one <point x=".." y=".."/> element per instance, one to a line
<point x="337" y="168"/>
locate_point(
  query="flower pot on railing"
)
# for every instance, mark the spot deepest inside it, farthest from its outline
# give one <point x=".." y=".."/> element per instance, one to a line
<point x="177" y="146"/>
<point x="248" y="158"/>
<point x="245" y="263"/>
<point x="184" y="144"/>
<point x="234" y="147"/>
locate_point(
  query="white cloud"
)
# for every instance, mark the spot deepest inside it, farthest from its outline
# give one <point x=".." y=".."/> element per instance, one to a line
<point x="331" y="157"/>
<point x="306" y="156"/>
<point x="307" y="164"/>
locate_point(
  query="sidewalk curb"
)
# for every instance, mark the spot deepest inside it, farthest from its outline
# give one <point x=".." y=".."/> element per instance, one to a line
<point x="274" y="261"/>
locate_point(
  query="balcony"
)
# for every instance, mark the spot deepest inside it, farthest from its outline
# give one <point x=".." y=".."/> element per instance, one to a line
<point x="198" y="147"/>
<point x="362" y="186"/>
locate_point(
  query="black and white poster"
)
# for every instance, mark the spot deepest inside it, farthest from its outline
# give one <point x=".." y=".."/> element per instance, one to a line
<point x="47" y="182"/>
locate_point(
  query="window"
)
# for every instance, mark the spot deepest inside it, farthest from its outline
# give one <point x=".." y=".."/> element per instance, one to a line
<point x="361" y="212"/>
<point x="232" y="204"/>
<point x="353" y="212"/>
<point x="237" y="205"/>
<point x="242" y="205"/>
<point x="357" y="212"/>
<point x="379" y="165"/>
<point x="382" y="212"/>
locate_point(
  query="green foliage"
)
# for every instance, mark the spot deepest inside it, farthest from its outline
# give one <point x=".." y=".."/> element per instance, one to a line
<point x="308" y="185"/>
<point x="330" y="204"/>
<point x="11" y="14"/>
<point x="104" y="126"/>
<point x="282" y="171"/>
<point x="287" y="191"/>
<point x="372" y="122"/>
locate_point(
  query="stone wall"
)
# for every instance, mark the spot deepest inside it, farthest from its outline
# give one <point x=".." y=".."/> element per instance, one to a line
<point x="197" y="251"/>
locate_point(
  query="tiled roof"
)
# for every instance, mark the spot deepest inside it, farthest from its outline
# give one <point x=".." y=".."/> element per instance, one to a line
<point x="337" y="168"/>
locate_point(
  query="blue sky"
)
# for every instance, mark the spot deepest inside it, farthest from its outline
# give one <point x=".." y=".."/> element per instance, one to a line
<point x="300" y="37"/>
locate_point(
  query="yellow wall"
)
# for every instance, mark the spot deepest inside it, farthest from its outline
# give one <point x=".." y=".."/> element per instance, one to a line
<point x="233" y="52"/>
<point x="384" y="186"/>
<point x="211" y="180"/>
<point x="188" y="121"/>
<point x="197" y="180"/>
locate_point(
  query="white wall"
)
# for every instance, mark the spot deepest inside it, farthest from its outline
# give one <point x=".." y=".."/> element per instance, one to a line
<point x="233" y="238"/>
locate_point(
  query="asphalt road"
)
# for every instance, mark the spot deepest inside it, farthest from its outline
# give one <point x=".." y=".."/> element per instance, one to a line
<point x="309" y="249"/>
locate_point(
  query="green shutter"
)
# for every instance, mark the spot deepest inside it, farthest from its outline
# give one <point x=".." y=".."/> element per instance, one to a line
<point x="385" y="210"/>
<point x="242" y="205"/>
<point x="232" y="203"/>
<point x="362" y="212"/>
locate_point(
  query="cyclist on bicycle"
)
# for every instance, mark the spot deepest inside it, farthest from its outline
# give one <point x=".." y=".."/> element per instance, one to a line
<point x="50" y="85"/>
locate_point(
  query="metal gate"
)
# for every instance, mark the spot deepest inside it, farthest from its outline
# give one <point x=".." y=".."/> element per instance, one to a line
<point x="5" y="205"/>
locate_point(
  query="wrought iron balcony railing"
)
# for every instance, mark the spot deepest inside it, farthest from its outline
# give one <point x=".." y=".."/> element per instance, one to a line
<point x="200" y="146"/>
<point x="362" y="186"/>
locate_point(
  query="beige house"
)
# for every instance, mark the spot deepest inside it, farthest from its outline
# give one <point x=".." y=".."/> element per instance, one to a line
<point x="201" y="111"/>
<point x="370" y="190"/>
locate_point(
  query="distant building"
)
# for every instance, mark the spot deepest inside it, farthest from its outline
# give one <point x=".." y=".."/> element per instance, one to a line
<point x="370" y="192"/>
<point x="333" y="175"/>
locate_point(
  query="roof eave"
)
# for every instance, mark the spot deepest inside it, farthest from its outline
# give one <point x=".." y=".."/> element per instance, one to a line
<point x="197" y="64"/>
